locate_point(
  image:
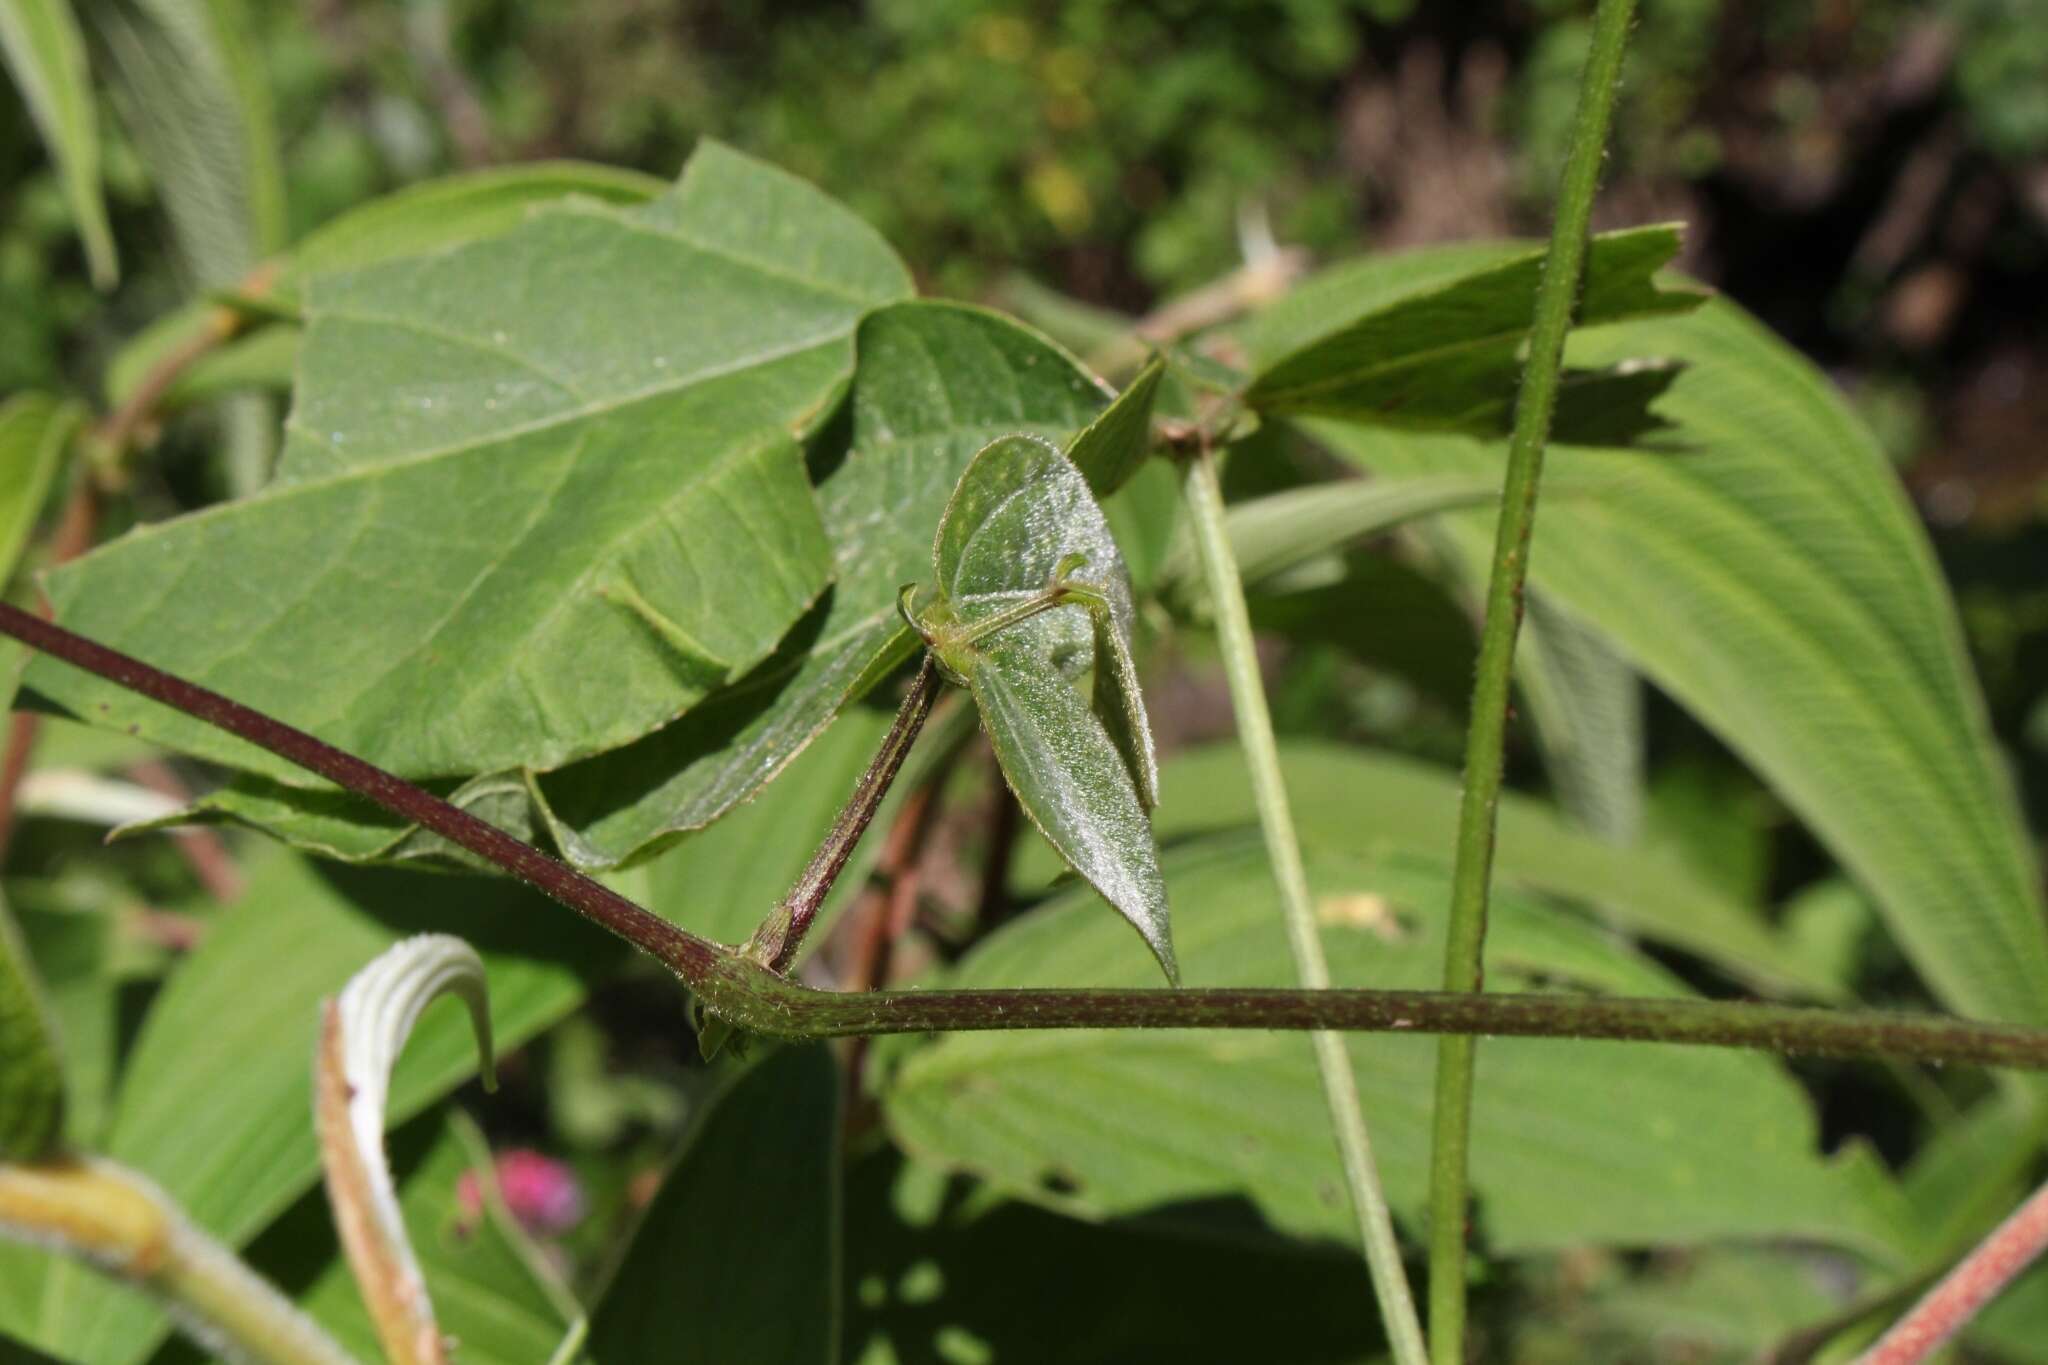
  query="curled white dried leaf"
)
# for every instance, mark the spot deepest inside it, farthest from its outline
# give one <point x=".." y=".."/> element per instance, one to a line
<point x="361" y="1035"/>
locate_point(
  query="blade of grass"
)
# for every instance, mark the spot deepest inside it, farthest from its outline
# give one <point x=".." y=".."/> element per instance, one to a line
<point x="1333" y="1063"/>
<point x="1472" y="873"/>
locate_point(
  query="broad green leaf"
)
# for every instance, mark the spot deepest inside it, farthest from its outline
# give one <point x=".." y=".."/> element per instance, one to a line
<point x="347" y="828"/>
<point x="1281" y="531"/>
<point x="188" y="83"/>
<point x="266" y="360"/>
<point x="469" y="207"/>
<point x="1768" y="574"/>
<point x="493" y="1291"/>
<point x="1445" y="356"/>
<point x="31" y="1070"/>
<point x="719" y="882"/>
<point x="2014" y="1326"/>
<point x="1109" y="452"/>
<point x="1973" y="1171"/>
<point x="1382" y="612"/>
<point x="1723" y="1306"/>
<point x="1573" y="1142"/>
<point x="216" y="1101"/>
<point x="1022" y="521"/>
<point x="1588" y="707"/>
<point x="540" y="495"/>
<point x="46" y="55"/>
<point x="35" y="431"/>
<point x="1359" y="802"/>
<point x="942" y="1272"/>
<point x="738" y="1257"/>
<point x="71" y="951"/>
<point x="934" y="383"/>
<point x="431" y="216"/>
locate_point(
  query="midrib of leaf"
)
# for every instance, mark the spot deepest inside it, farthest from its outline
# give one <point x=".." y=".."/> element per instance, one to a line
<point x="611" y="407"/>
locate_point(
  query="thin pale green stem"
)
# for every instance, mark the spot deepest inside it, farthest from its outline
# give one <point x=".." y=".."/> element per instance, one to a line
<point x="1485" y="744"/>
<point x="117" y="1222"/>
<point x="1333" y="1062"/>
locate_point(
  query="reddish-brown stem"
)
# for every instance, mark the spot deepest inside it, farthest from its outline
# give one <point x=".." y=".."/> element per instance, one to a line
<point x="1962" y="1293"/>
<point x="749" y="996"/>
<point x="886" y="917"/>
<point x="219" y="326"/>
<point x="793" y="918"/>
<point x="684" y="952"/>
<point x="72" y="537"/>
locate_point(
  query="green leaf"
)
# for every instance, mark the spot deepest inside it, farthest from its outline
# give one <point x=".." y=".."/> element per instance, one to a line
<point x="738" y="1257"/>
<point x="455" y="209"/>
<point x="942" y="1272"/>
<point x="35" y="431"/>
<point x="1109" y="452"/>
<point x="1588" y="707"/>
<point x="1724" y="1304"/>
<point x="1281" y="531"/>
<point x="1769" y="574"/>
<point x="431" y="216"/>
<point x="540" y="494"/>
<point x="189" y="85"/>
<point x="492" y="1289"/>
<point x="31" y="1070"/>
<point x="1359" y="802"/>
<point x="72" y="950"/>
<point x="1021" y="522"/>
<point x="1573" y="1142"/>
<point x="935" y="382"/>
<point x="216" y="1101"/>
<point x="1444" y="355"/>
<point x="46" y="54"/>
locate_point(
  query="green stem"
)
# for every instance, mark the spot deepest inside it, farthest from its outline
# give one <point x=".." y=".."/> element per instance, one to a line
<point x="1466" y="936"/>
<point x="1333" y="1062"/>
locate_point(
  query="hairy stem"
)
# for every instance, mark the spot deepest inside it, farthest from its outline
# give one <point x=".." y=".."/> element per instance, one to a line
<point x="1976" y="1280"/>
<point x="1484" y="746"/>
<point x="120" y="1224"/>
<point x="756" y="999"/>
<point x="777" y="941"/>
<point x="1283" y="849"/>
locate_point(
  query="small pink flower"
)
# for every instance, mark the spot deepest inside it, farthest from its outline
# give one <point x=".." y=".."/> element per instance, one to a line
<point x="542" y="1193"/>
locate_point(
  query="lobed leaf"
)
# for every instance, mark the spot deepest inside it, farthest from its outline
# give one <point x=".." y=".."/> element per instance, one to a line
<point x="521" y="517"/>
<point x="933" y="384"/>
<point x="431" y="216"/>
